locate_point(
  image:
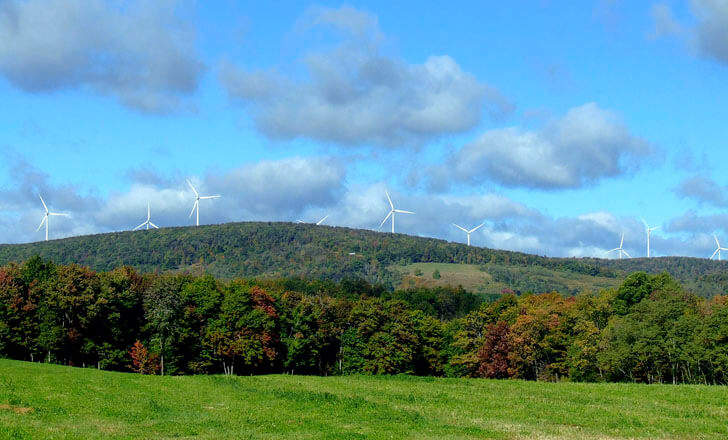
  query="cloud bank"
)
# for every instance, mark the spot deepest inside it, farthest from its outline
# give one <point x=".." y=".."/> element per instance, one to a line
<point x="308" y="189"/>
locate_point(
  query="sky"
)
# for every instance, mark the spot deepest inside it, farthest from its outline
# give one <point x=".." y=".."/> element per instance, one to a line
<point x="557" y="125"/>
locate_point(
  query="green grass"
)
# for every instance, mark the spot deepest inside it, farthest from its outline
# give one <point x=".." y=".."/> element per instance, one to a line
<point x="473" y="279"/>
<point x="49" y="401"/>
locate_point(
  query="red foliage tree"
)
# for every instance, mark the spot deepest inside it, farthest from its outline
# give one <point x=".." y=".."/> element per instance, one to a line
<point x="493" y="355"/>
<point x="143" y="362"/>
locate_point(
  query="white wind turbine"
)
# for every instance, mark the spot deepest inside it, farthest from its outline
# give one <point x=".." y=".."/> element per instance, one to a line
<point x="392" y="212"/>
<point x="468" y="231"/>
<point x="196" y="206"/>
<point x="318" y="223"/>
<point x="717" y="251"/>
<point x="649" y="231"/>
<point x="46" y="217"/>
<point x="148" y="223"/>
<point x="620" y="249"/>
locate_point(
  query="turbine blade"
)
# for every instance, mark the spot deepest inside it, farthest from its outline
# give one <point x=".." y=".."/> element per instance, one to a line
<point x="43" y="202"/>
<point x="460" y="227"/>
<point x="59" y="214"/>
<point x="716" y="251"/>
<point x="385" y="219"/>
<point x="390" y="200"/>
<point x="193" y="188"/>
<point x="644" y="223"/>
<point x="615" y="249"/>
<point x="322" y="220"/>
<point x="626" y="253"/>
<point x="476" y="228"/>
<point x="716" y="240"/>
<point x="402" y="211"/>
<point x="622" y="241"/>
<point x="41" y="223"/>
<point x="139" y="226"/>
<point x="153" y="225"/>
<point x="193" y="208"/>
<point x="209" y="197"/>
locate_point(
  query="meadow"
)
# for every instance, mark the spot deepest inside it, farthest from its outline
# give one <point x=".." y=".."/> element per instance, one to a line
<point x="51" y="401"/>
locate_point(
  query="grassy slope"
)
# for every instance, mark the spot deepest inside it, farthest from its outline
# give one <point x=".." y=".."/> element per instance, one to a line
<point x="472" y="278"/>
<point x="50" y="401"/>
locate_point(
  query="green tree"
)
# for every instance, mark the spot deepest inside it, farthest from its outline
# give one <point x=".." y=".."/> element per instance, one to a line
<point x="162" y="309"/>
<point x="381" y="338"/>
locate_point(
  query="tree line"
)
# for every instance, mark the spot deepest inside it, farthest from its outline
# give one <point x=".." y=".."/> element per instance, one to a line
<point x="648" y="330"/>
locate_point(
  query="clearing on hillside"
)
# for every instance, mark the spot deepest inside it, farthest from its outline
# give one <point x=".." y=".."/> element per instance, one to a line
<point x="494" y="278"/>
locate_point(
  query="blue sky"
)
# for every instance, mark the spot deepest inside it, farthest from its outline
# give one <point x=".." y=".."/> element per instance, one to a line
<point x="557" y="124"/>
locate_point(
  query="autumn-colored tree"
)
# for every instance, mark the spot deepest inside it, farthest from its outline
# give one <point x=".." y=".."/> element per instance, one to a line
<point x="246" y="331"/>
<point x="540" y="337"/>
<point x="469" y="334"/>
<point x="142" y="361"/>
<point x="493" y="355"/>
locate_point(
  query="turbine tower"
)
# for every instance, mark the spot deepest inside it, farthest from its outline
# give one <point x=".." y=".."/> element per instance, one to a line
<point x="318" y="223"/>
<point x="196" y="206"/>
<point x="649" y="231"/>
<point x="620" y="249"/>
<point x="392" y="212"/>
<point x="148" y="223"/>
<point x="468" y="231"/>
<point x="717" y="251"/>
<point x="46" y="217"/>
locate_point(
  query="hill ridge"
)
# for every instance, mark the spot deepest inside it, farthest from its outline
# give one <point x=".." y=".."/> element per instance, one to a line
<point x="284" y="249"/>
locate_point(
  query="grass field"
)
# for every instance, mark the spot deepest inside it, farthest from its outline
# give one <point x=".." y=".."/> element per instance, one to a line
<point x="50" y="401"/>
<point x="473" y="279"/>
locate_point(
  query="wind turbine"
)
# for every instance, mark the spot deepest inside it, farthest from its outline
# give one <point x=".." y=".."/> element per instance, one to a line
<point x="717" y="251"/>
<point x="322" y="220"/>
<point x="196" y="206"/>
<point x="468" y="232"/>
<point x="392" y="212"/>
<point x="46" y="217"/>
<point x="148" y="223"/>
<point x="620" y="249"/>
<point x="649" y="231"/>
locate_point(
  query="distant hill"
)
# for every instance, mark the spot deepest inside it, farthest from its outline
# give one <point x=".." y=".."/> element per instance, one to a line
<point x="258" y="249"/>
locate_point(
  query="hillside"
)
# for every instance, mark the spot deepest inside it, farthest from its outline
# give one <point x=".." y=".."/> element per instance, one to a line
<point x="255" y="249"/>
<point x="51" y="401"/>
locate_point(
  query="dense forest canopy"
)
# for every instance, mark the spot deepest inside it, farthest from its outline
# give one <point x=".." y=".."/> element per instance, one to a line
<point x="649" y="329"/>
<point x="276" y="250"/>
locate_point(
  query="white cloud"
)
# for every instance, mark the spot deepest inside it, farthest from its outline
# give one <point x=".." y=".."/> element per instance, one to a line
<point x="705" y="31"/>
<point x="586" y="145"/>
<point x="353" y="94"/>
<point x="138" y="52"/>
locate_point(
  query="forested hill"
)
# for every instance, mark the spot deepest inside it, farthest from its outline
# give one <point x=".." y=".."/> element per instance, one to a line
<point x="256" y="249"/>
